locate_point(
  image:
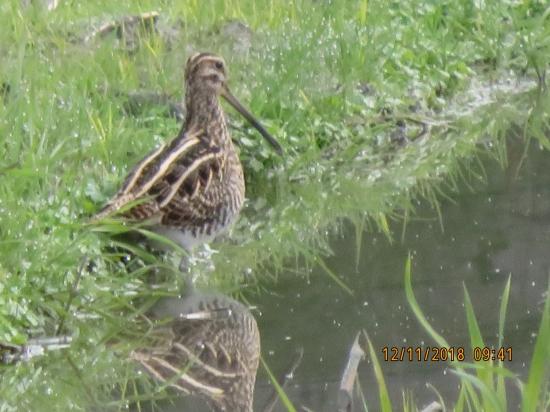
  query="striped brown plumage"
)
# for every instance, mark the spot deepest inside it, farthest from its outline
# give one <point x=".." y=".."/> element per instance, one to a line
<point x="191" y="188"/>
<point x="210" y="348"/>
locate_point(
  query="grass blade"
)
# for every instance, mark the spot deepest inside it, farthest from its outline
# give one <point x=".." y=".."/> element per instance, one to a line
<point x="385" y="404"/>
<point x="501" y="388"/>
<point x="538" y="380"/>
<point x="416" y="308"/>
<point x="280" y="391"/>
<point x="476" y="341"/>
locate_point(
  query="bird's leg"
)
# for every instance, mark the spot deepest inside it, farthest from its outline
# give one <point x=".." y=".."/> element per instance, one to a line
<point x="184" y="266"/>
<point x="192" y="265"/>
<point x="197" y="261"/>
<point x="189" y="284"/>
<point x="188" y="277"/>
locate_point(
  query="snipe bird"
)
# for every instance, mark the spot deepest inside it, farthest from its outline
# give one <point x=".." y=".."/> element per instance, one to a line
<point x="210" y="348"/>
<point x="192" y="188"/>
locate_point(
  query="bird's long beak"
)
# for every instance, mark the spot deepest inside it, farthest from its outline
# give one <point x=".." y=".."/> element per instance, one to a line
<point x="232" y="100"/>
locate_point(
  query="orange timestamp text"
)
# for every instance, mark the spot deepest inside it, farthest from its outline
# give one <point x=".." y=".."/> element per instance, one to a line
<point x="436" y="354"/>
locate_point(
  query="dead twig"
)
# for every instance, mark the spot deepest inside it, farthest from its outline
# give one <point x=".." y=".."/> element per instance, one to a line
<point x="347" y="382"/>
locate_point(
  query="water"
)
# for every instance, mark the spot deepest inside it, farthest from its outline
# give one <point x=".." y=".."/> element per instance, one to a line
<point x="499" y="228"/>
<point x="491" y="230"/>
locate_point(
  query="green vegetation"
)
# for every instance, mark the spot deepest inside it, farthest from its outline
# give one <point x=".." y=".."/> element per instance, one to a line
<point x="482" y="379"/>
<point x="334" y="82"/>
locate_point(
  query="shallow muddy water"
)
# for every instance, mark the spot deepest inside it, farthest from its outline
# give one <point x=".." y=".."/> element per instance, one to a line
<point x="491" y="230"/>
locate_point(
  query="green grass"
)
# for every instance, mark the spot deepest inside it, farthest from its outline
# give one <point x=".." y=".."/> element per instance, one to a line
<point x="67" y="144"/>
<point x="482" y="382"/>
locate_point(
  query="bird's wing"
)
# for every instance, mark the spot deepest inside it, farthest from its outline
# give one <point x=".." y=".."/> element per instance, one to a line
<point x="167" y="180"/>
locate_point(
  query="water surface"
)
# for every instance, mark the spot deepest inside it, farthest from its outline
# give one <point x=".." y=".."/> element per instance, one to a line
<point x="491" y="230"/>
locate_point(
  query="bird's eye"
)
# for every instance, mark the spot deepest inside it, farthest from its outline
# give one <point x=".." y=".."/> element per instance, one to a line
<point x="219" y="65"/>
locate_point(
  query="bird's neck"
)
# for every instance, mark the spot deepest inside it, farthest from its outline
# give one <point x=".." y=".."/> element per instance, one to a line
<point x="204" y="113"/>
